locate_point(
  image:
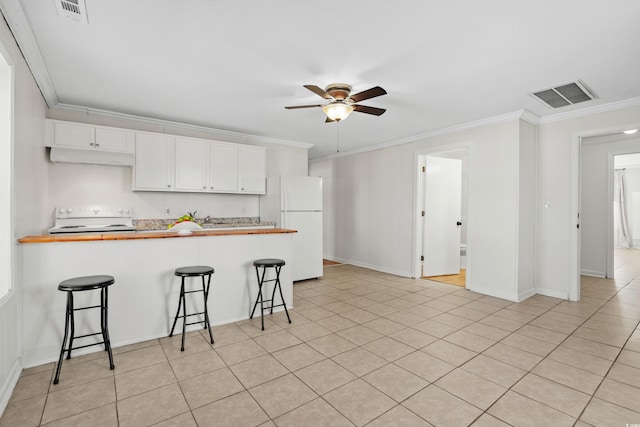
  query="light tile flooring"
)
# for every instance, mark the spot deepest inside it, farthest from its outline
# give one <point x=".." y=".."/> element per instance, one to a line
<point x="367" y="348"/>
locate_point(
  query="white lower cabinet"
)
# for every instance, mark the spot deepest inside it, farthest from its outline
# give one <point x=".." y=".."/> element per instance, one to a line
<point x="154" y="163"/>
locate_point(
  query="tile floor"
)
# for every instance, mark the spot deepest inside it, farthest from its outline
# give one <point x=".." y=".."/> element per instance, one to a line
<point x="367" y="348"/>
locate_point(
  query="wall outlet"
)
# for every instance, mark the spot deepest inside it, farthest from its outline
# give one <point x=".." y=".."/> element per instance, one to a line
<point x="167" y="211"/>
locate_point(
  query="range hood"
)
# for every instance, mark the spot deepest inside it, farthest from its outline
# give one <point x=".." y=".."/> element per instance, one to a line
<point x="93" y="157"/>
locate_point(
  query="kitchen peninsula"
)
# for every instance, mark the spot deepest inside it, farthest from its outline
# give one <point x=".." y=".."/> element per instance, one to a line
<point x="144" y="299"/>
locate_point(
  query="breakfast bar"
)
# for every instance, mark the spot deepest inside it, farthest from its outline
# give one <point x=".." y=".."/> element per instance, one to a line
<point x="144" y="298"/>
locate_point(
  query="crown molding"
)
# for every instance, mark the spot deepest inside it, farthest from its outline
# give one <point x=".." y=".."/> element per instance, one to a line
<point x="595" y="109"/>
<point x="503" y="118"/>
<point x="161" y="122"/>
<point x="21" y="29"/>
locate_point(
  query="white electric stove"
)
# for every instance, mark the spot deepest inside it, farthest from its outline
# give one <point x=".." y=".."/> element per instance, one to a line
<point x="92" y="219"/>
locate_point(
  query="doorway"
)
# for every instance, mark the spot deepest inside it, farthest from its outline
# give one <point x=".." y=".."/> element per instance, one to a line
<point x="442" y="215"/>
<point x="606" y="162"/>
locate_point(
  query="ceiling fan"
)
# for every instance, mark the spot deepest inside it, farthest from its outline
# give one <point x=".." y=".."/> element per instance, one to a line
<point x="342" y="104"/>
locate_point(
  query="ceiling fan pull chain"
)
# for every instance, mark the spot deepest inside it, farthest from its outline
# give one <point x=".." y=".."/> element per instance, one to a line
<point x="338" y="136"/>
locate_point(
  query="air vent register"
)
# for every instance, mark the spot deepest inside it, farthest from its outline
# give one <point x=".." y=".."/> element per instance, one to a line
<point x="568" y="94"/>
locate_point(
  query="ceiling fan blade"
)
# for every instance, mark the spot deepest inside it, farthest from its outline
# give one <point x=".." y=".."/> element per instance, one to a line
<point x="369" y="110"/>
<point x="368" y="94"/>
<point x="294" y="107"/>
<point x="329" y="120"/>
<point x="318" y="91"/>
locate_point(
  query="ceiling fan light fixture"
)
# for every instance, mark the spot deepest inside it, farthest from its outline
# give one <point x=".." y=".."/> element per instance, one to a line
<point x="337" y="111"/>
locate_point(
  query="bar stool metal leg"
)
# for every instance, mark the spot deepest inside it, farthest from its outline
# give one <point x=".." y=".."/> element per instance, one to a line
<point x="177" y="312"/>
<point x="205" y="291"/>
<point x="64" y="340"/>
<point x="279" y="286"/>
<point x="73" y="324"/>
<point x="260" y="296"/>
<point x="184" y="314"/>
<point x="105" y="326"/>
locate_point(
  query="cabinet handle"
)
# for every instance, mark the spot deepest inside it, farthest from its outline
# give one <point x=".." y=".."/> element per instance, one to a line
<point x="169" y="185"/>
<point x="92" y="144"/>
<point x="204" y="187"/>
<point x="97" y="145"/>
<point x="211" y="188"/>
<point x="242" y="188"/>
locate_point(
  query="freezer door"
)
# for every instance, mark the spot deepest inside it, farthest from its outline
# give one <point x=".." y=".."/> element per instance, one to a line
<point x="302" y="193"/>
<point x="307" y="244"/>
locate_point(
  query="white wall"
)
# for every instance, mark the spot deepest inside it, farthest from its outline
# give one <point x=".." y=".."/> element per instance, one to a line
<point x="526" y="227"/>
<point x="79" y="184"/>
<point x="29" y="184"/>
<point x="557" y="183"/>
<point x="369" y="200"/>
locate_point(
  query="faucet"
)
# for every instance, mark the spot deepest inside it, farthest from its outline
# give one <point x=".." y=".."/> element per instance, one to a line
<point x="206" y="219"/>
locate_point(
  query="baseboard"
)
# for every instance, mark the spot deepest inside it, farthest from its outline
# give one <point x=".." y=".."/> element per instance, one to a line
<point x="379" y="268"/>
<point x="591" y="273"/>
<point x="6" y="388"/>
<point x="493" y="293"/>
<point x="552" y="293"/>
<point x="526" y="294"/>
<point x="340" y="260"/>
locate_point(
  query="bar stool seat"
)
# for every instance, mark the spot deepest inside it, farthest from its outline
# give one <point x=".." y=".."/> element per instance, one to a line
<point x="266" y="263"/>
<point x="79" y="284"/>
<point x="193" y="271"/>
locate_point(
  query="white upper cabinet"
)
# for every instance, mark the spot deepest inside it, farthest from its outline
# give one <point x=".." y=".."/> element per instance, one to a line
<point x="154" y="162"/>
<point x="223" y="167"/>
<point x="113" y="139"/>
<point x="164" y="162"/>
<point x="191" y="164"/>
<point x="89" y="137"/>
<point x="252" y="169"/>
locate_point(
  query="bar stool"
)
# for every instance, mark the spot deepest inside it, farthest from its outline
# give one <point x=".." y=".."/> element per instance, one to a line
<point x="264" y="264"/>
<point x="78" y="284"/>
<point x="193" y="271"/>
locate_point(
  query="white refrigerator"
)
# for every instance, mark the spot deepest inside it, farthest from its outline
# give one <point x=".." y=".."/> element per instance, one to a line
<point x="295" y="202"/>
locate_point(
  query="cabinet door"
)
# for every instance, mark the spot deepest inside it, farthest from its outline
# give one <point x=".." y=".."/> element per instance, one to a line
<point x="154" y="164"/>
<point x="74" y="135"/>
<point x="191" y="164"/>
<point x="252" y="169"/>
<point x="223" y="167"/>
<point x="112" y="139"/>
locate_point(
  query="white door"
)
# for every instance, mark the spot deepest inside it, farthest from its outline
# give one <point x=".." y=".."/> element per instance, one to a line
<point x="307" y="244"/>
<point x="442" y="207"/>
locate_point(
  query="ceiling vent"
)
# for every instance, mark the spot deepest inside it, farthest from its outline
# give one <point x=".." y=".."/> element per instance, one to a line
<point x="568" y="94"/>
<point x="74" y="10"/>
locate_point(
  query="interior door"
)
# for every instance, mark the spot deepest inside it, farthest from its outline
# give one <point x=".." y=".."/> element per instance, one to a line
<point x="441" y="221"/>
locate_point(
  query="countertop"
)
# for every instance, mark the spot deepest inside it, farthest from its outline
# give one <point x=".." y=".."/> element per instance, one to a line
<point x="137" y="235"/>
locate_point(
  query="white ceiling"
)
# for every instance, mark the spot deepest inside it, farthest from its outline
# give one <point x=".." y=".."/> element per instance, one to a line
<point x="234" y="64"/>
